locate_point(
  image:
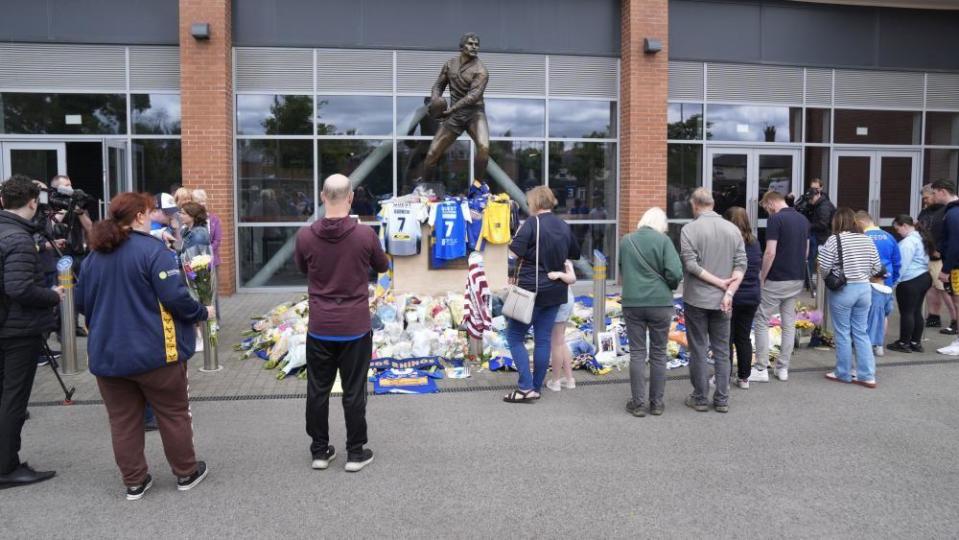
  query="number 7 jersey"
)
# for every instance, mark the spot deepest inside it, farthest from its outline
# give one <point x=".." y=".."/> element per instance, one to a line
<point x="448" y="219"/>
<point x="403" y="222"/>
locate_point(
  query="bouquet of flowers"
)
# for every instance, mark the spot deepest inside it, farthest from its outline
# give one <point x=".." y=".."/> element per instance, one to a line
<point x="201" y="279"/>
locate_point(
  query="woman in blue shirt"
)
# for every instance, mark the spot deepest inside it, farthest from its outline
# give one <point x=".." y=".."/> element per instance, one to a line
<point x="913" y="284"/>
<point x="196" y="235"/>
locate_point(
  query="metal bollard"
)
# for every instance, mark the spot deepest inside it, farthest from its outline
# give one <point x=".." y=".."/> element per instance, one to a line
<point x="69" y="363"/>
<point x="211" y="356"/>
<point x="599" y="296"/>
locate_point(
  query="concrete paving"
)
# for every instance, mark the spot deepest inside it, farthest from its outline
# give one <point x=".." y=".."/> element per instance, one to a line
<point x="807" y="458"/>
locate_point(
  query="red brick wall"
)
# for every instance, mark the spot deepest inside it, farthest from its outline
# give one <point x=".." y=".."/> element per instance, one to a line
<point x="206" y="87"/>
<point x="644" y="80"/>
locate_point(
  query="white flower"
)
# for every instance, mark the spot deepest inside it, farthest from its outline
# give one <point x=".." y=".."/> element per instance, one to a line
<point x="200" y="262"/>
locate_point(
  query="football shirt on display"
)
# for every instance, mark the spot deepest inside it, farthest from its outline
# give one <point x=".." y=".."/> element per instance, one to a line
<point x="403" y="227"/>
<point x="448" y="220"/>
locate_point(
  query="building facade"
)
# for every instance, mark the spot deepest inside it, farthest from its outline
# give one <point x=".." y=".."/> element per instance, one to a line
<point x="742" y="97"/>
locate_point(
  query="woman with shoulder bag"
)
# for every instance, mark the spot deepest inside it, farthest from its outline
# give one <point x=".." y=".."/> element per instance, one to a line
<point x="542" y="245"/>
<point x="747" y="298"/>
<point x="847" y="262"/>
<point x="651" y="271"/>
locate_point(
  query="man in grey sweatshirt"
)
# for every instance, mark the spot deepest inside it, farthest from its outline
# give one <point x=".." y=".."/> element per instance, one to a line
<point x="714" y="261"/>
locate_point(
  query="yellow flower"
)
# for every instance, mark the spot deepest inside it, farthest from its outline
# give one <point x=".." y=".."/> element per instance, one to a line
<point x="200" y="262"/>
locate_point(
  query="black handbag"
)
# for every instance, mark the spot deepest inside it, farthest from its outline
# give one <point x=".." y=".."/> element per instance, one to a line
<point x="836" y="281"/>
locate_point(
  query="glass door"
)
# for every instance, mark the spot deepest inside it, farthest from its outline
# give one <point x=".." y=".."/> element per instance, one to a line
<point x="37" y="160"/>
<point x="115" y="172"/>
<point x="883" y="183"/>
<point x="741" y="176"/>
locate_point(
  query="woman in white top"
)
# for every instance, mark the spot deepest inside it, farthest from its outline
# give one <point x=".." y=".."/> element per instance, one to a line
<point x="849" y="306"/>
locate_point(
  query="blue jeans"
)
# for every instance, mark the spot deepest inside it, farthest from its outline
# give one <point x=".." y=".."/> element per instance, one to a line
<point x="880" y="308"/>
<point x="544" y="317"/>
<point x="849" y="308"/>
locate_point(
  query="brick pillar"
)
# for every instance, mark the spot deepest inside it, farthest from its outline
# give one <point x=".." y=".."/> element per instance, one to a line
<point x="644" y="81"/>
<point x="206" y="89"/>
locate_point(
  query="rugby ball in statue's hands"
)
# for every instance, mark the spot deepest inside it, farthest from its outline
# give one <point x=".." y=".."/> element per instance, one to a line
<point x="437" y="107"/>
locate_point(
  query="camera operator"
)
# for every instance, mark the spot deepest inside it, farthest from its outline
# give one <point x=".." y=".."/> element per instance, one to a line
<point x="26" y="313"/>
<point x="818" y="209"/>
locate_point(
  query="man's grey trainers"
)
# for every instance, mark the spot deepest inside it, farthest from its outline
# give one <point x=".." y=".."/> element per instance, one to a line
<point x="323" y="459"/>
<point x="656" y="410"/>
<point x="698" y="407"/>
<point x="721" y="408"/>
<point x="135" y="493"/>
<point x="356" y="462"/>
<point x="635" y="409"/>
<point x="190" y="482"/>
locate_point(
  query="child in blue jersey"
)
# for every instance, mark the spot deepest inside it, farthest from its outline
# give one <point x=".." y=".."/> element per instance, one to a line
<point x="882" y="301"/>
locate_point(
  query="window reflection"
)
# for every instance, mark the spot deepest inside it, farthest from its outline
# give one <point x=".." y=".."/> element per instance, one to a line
<point x="583" y="178"/>
<point x="753" y="123"/>
<point x="516" y="117"/>
<point x="66" y="114"/>
<point x="854" y="126"/>
<point x="684" y="173"/>
<point x="729" y="181"/>
<point x="942" y="128"/>
<point x="452" y="172"/>
<point x="156" y="164"/>
<point x="582" y="119"/>
<point x="275" y="180"/>
<point x="274" y="115"/>
<point x="354" y="115"/>
<point x="597" y="236"/>
<point x="368" y="162"/>
<point x="941" y="164"/>
<point x="155" y="114"/>
<point x="684" y="121"/>
<point x="412" y="118"/>
<point x="258" y="245"/>
<point x="818" y="124"/>
<point x="522" y="161"/>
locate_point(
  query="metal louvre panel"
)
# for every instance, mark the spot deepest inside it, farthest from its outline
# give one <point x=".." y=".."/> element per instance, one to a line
<point x="416" y="71"/>
<point x="278" y="70"/>
<point x="754" y="83"/>
<point x="154" y="68"/>
<point x="516" y="74"/>
<point x="33" y="66"/>
<point x="819" y="87"/>
<point x="942" y="91"/>
<point x="351" y="70"/>
<point x="584" y="76"/>
<point x="686" y="81"/>
<point x="878" y="89"/>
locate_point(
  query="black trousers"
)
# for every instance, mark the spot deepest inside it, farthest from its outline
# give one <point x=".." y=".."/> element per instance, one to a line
<point x="323" y="359"/>
<point x="909" y="295"/>
<point x="18" y="366"/>
<point x="741" y="324"/>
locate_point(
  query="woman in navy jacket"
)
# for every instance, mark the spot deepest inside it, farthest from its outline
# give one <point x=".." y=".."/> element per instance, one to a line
<point x="747" y="298"/>
<point x="141" y="319"/>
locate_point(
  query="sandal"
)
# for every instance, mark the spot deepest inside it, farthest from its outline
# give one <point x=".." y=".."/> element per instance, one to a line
<point x="518" y="396"/>
<point x="832" y="377"/>
<point x="867" y="384"/>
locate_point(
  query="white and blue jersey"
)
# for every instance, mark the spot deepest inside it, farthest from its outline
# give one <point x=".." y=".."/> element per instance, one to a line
<point x="448" y="220"/>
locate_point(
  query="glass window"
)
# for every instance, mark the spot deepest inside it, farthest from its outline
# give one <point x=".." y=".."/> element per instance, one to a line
<point x="750" y="123"/>
<point x="818" y="124"/>
<point x="155" y="114"/>
<point x="516" y="117"/>
<point x="64" y="114"/>
<point x="274" y="115"/>
<point x="855" y="126"/>
<point x="156" y="165"/>
<point x="275" y="180"/>
<point x="257" y="247"/>
<point x="412" y="118"/>
<point x="582" y="119"/>
<point x="354" y="115"/>
<point x="675" y="230"/>
<point x="817" y="166"/>
<point x="368" y="163"/>
<point x="941" y="165"/>
<point x="684" y="173"/>
<point x="451" y="176"/>
<point x="522" y="161"/>
<point x="942" y="128"/>
<point x="597" y="236"/>
<point x="584" y="172"/>
<point x="684" y="121"/>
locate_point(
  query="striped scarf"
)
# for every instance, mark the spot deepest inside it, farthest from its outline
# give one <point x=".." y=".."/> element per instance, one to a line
<point x="477" y="317"/>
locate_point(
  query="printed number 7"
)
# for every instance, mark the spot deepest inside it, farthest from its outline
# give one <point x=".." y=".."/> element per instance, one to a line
<point x="449" y="229"/>
<point x="402" y="223"/>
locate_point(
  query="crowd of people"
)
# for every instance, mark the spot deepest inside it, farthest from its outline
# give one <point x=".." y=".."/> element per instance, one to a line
<point x="142" y="318"/>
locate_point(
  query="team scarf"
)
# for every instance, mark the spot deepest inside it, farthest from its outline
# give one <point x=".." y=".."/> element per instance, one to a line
<point x="477" y="316"/>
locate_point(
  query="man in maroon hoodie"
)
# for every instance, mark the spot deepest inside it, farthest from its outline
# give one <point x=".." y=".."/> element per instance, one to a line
<point x="336" y="253"/>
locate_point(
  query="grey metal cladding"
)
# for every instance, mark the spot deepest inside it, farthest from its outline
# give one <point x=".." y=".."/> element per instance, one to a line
<point x="351" y="70"/>
<point x="125" y="22"/>
<point x="280" y="70"/>
<point x="817" y="34"/>
<point x="154" y="68"/>
<point x="856" y="88"/>
<point x="686" y="81"/>
<point x="754" y="83"/>
<point x="725" y="31"/>
<point x="416" y="71"/>
<point x="516" y="74"/>
<point x="819" y="87"/>
<point x="942" y="91"/>
<point x="35" y="66"/>
<point x="914" y="38"/>
<point x="584" y="76"/>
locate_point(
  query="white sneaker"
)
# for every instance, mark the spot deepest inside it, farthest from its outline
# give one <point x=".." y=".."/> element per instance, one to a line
<point x="950" y="350"/>
<point x="759" y="375"/>
<point x="554" y="385"/>
<point x="782" y="374"/>
<point x="877" y="350"/>
<point x="568" y="383"/>
<point x="743" y="383"/>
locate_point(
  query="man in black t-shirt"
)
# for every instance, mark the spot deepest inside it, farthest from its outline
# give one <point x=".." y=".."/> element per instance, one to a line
<point x="781" y="278"/>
